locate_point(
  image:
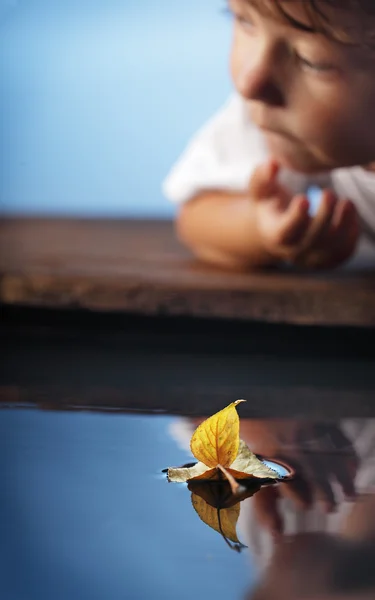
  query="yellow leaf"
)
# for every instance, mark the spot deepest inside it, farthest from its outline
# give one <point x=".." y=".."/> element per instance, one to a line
<point x="247" y="464"/>
<point x="223" y="520"/>
<point x="182" y="474"/>
<point x="216" y="440"/>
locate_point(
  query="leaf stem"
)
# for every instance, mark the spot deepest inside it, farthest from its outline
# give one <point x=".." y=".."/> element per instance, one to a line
<point x="234" y="485"/>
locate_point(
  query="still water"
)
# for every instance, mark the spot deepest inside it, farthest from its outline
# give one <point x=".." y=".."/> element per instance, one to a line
<point x="85" y="512"/>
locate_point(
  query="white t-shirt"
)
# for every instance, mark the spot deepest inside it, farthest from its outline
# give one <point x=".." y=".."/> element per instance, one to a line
<point x="224" y="153"/>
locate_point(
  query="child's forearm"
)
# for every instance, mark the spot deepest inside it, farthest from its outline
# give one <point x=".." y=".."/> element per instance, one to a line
<point x="220" y="227"/>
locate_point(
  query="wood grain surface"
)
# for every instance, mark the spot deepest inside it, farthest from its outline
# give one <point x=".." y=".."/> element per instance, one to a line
<point x="139" y="267"/>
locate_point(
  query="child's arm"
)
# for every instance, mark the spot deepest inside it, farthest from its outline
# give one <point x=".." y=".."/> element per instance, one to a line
<point x="227" y="221"/>
<point x="220" y="227"/>
<point x="266" y="226"/>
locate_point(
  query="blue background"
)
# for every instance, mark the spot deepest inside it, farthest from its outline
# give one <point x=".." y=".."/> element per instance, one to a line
<point x="98" y="98"/>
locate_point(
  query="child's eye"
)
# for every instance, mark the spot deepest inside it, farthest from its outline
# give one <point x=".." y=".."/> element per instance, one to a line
<point x="315" y="66"/>
<point x="245" y="21"/>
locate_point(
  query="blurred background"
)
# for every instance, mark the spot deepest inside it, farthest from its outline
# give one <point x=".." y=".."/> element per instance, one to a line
<point x="99" y="97"/>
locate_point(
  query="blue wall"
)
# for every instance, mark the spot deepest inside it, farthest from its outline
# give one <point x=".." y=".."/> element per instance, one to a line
<point x="98" y="98"/>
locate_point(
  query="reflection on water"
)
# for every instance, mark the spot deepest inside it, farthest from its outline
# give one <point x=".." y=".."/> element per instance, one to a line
<point x="86" y="513"/>
<point x="312" y="536"/>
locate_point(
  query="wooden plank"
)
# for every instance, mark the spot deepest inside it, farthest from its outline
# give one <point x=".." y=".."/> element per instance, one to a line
<point x="139" y="267"/>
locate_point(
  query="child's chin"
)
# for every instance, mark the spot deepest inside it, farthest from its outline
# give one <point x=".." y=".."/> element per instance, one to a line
<point x="293" y="157"/>
<point x="295" y="165"/>
<point x="298" y="162"/>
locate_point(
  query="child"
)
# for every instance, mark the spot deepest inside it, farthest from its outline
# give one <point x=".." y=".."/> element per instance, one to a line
<point x="303" y="114"/>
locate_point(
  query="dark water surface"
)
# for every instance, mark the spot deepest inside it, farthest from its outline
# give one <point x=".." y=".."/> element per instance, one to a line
<point x="85" y="512"/>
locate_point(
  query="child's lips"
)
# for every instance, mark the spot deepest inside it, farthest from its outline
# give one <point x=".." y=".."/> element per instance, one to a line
<point x="263" y="120"/>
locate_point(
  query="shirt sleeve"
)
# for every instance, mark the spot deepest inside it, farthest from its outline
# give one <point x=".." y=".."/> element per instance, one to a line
<point x="222" y="156"/>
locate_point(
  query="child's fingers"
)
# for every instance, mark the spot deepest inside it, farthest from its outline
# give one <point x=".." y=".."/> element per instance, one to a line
<point x="339" y="241"/>
<point x="295" y="221"/>
<point x="345" y="229"/>
<point x="263" y="182"/>
<point x="345" y="218"/>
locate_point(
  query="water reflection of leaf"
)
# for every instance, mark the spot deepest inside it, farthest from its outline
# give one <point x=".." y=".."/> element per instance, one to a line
<point x="219" y="507"/>
<point x="222" y="520"/>
<point x="218" y="494"/>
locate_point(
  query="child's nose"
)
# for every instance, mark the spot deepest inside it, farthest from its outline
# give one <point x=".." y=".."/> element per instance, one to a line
<point x="258" y="79"/>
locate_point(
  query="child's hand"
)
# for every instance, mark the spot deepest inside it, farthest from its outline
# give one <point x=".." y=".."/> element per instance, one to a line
<point x="289" y="233"/>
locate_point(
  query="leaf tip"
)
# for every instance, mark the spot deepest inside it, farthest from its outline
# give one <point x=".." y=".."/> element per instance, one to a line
<point x="238" y="401"/>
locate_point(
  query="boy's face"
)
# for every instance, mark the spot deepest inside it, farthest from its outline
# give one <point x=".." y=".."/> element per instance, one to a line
<point x="313" y="98"/>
